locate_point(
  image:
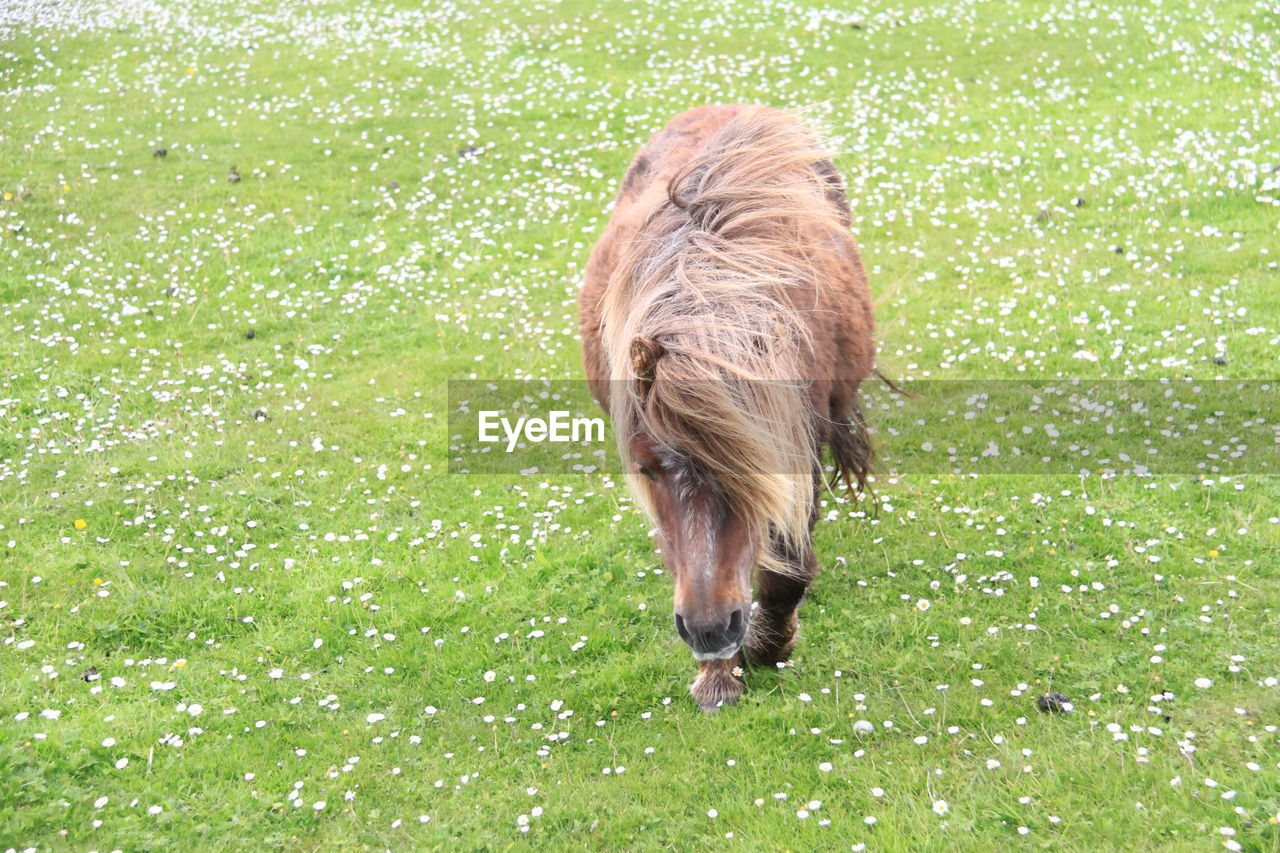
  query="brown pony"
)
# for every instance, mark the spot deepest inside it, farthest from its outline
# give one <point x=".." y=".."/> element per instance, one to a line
<point x="726" y="326"/>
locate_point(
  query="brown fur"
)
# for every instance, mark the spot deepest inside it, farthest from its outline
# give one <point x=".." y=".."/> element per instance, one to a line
<point x="726" y="325"/>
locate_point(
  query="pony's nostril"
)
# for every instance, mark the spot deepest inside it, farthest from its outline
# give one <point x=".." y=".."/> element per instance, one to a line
<point x="735" y="623"/>
<point x="713" y="635"/>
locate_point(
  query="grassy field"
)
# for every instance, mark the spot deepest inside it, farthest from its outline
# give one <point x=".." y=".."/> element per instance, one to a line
<point x="245" y="605"/>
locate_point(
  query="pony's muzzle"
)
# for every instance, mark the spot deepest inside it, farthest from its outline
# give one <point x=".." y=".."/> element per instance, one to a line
<point x="715" y="635"/>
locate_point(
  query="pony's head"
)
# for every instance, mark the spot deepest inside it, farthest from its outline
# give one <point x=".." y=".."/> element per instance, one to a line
<point x="724" y="465"/>
<point x="706" y="543"/>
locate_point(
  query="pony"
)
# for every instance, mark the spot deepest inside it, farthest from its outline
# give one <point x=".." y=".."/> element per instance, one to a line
<point x="726" y="326"/>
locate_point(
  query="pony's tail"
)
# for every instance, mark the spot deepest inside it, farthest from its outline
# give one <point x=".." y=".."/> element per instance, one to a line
<point x="851" y="447"/>
<point x="852" y="452"/>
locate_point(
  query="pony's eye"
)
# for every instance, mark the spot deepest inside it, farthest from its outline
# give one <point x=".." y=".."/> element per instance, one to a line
<point x="647" y="471"/>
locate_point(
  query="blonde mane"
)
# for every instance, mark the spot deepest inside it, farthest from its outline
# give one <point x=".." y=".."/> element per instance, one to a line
<point x="703" y="321"/>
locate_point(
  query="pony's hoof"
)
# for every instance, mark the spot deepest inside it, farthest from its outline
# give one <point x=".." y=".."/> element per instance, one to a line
<point x="771" y="641"/>
<point x="717" y="685"/>
<point x="770" y="654"/>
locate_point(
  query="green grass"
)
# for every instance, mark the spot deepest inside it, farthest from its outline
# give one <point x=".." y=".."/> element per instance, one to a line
<point x="291" y="592"/>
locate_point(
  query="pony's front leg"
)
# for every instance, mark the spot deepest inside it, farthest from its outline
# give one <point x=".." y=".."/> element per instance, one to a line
<point x="772" y="635"/>
<point x="719" y="682"/>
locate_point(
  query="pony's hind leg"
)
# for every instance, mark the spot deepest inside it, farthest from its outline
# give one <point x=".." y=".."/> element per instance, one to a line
<point x="719" y="682"/>
<point x="772" y="634"/>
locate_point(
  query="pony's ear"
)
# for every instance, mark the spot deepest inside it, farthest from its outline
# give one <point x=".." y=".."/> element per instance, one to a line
<point x="645" y="353"/>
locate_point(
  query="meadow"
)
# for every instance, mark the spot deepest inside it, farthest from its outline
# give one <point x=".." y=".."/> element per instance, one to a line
<point x="247" y="605"/>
